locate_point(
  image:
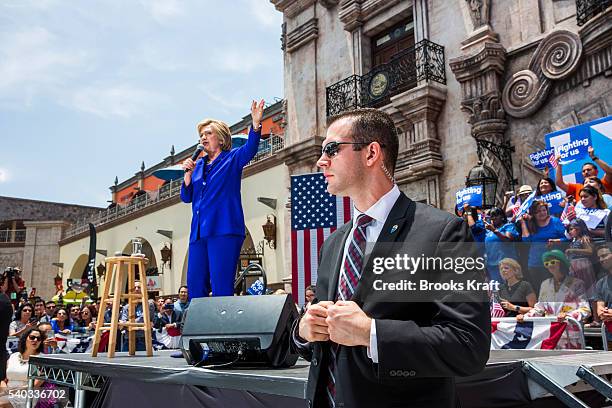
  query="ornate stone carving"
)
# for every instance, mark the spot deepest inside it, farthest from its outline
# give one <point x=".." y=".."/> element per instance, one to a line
<point x="416" y="113"/>
<point x="354" y="13"/>
<point x="479" y="12"/>
<point x="291" y="8"/>
<point x="557" y="57"/>
<point x="302" y="35"/>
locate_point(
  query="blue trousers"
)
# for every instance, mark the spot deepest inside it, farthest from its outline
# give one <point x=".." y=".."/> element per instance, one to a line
<point x="212" y="265"/>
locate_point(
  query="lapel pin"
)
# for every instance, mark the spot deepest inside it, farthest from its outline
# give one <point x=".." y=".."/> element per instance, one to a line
<point x="393" y="228"/>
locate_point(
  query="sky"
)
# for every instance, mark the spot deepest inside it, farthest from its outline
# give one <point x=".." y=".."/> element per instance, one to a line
<point x="90" y="89"/>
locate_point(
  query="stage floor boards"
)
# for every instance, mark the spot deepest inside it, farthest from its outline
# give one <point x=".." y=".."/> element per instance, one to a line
<point x="289" y="381"/>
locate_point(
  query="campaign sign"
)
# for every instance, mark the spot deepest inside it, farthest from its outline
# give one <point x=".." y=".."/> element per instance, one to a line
<point x="469" y="195"/>
<point x="554" y="200"/>
<point x="572" y="144"/>
<point x="540" y="158"/>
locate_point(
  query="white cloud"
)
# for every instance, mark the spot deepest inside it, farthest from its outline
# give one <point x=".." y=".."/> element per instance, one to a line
<point x="265" y="13"/>
<point x="4" y="175"/>
<point x="163" y="11"/>
<point x="32" y="61"/>
<point x="124" y="101"/>
<point x="240" y="61"/>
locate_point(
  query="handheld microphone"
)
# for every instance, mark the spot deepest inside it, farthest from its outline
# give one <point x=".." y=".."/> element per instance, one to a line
<point x="195" y="154"/>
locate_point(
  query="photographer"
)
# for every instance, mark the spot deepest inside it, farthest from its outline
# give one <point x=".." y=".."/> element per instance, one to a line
<point x="12" y="284"/>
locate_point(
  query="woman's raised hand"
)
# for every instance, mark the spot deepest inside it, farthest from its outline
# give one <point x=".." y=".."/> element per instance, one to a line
<point x="257" y="113"/>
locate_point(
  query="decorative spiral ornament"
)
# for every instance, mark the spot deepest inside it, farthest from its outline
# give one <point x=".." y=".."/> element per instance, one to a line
<point x="560" y="54"/>
<point x="521" y="92"/>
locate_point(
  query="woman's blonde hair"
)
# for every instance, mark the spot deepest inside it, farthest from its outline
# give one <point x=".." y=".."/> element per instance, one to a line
<point x="514" y="265"/>
<point x="221" y="129"/>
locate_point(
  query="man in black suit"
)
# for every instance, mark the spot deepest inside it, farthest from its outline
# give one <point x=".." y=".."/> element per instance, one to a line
<point x="6" y="315"/>
<point x="370" y="347"/>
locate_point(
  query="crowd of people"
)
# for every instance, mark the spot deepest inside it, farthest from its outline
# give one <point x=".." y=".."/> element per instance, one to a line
<point x="40" y="326"/>
<point x="551" y="262"/>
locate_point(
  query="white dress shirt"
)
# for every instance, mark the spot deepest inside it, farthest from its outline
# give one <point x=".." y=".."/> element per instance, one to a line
<point x="379" y="213"/>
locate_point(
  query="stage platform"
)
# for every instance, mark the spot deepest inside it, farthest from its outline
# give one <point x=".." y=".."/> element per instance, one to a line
<point x="512" y="369"/>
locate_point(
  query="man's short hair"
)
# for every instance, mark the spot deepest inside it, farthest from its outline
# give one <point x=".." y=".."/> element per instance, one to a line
<point x="184" y="286"/>
<point x="590" y="164"/>
<point x="50" y="302"/>
<point x="311" y="288"/>
<point x="372" y="125"/>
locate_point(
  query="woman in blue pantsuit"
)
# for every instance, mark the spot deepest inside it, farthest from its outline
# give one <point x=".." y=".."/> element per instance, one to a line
<point x="212" y="186"/>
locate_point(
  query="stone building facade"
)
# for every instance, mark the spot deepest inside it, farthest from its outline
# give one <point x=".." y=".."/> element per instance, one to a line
<point x="30" y="231"/>
<point x="470" y="80"/>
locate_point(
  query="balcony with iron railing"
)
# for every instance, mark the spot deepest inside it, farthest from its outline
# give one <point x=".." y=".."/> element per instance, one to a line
<point x="422" y="62"/>
<point x="12" y="236"/>
<point x="267" y="148"/>
<point x="587" y="9"/>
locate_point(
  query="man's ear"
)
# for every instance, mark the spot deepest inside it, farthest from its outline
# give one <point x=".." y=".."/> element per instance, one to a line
<point x="373" y="151"/>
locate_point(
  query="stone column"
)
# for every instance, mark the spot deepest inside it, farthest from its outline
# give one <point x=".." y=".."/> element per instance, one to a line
<point x="479" y="74"/>
<point x="40" y="252"/>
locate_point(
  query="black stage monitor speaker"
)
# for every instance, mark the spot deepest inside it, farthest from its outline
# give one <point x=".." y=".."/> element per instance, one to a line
<point x="240" y="330"/>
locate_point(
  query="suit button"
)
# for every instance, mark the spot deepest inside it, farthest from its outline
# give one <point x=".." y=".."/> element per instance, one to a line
<point x="315" y="362"/>
<point x="309" y="404"/>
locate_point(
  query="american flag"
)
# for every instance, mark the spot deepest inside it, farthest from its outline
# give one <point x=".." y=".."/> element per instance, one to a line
<point x="315" y="214"/>
<point x="569" y="213"/>
<point x="553" y="160"/>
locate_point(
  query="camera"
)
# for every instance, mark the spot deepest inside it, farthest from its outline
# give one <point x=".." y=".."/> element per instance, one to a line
<point x="10" y="272"/>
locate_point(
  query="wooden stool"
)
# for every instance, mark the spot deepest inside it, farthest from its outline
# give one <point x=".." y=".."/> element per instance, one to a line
<point x="116" y="265"/>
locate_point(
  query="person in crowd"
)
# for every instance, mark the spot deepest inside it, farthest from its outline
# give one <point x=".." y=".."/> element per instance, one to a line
<point x="539" y="228"/>
<point x="75" y="316"/>
<point x="589" y="169"/>
<point x="545" y="185"/>
<point x="50" y="343"/>
<point x="30" y="344"/>
<point x="168" y="325"/>
<point x="597" y="183"/>
<point x="498" y="236"/>
<point x="590" y="200"/>
<point x="603" y="290"/>
<point x="159" y="304"/>
<point x="87" y="321"/>
<point x="309" y="295"/>
<point x="579" y="253"/>
<point x="183" y="301"/>
<point x="561" y="295"/>
<point x="511" y="201"/>
<point x="24" y="319"/>
<point x="212" y="186"/>
<point x="140" y="335"/>
<point x="61" y="322"/>
<point x="49" y="311"/>
<point x="6" y="314"/>
<point x="108" y="311"/>
<point x="12" y="284"/>
<point x="39" y="309"/>
<point x="516" y="295"/>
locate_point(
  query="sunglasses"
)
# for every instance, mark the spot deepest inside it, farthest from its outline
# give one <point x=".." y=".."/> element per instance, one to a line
<point x="332" y="148"/>
<point x="27" y="310"/>
<point x="50" y="307"/>
<point x="34" y="338"/>
<point x="61" y="314"/>
<point x="552" y="262"/>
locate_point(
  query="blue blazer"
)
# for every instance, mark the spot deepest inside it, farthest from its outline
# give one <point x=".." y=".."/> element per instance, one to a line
<point x="214" y="194"/>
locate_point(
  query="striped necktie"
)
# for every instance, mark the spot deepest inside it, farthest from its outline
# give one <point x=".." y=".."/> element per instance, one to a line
<point x="347" y="285"/>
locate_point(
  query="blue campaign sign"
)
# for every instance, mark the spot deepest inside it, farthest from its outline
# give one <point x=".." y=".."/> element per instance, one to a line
<point x="573" y="144"/>
<point x="540" y="158"/>
<point x="469" y="195"/>
<point x="554" y="200"/>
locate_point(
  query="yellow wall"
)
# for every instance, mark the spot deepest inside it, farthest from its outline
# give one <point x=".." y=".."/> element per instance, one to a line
<point x="270" y="183"/>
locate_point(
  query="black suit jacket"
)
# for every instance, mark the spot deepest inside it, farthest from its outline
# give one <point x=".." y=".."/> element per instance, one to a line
<point x="6" y="315"/>
<point x="421" y="346"/>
